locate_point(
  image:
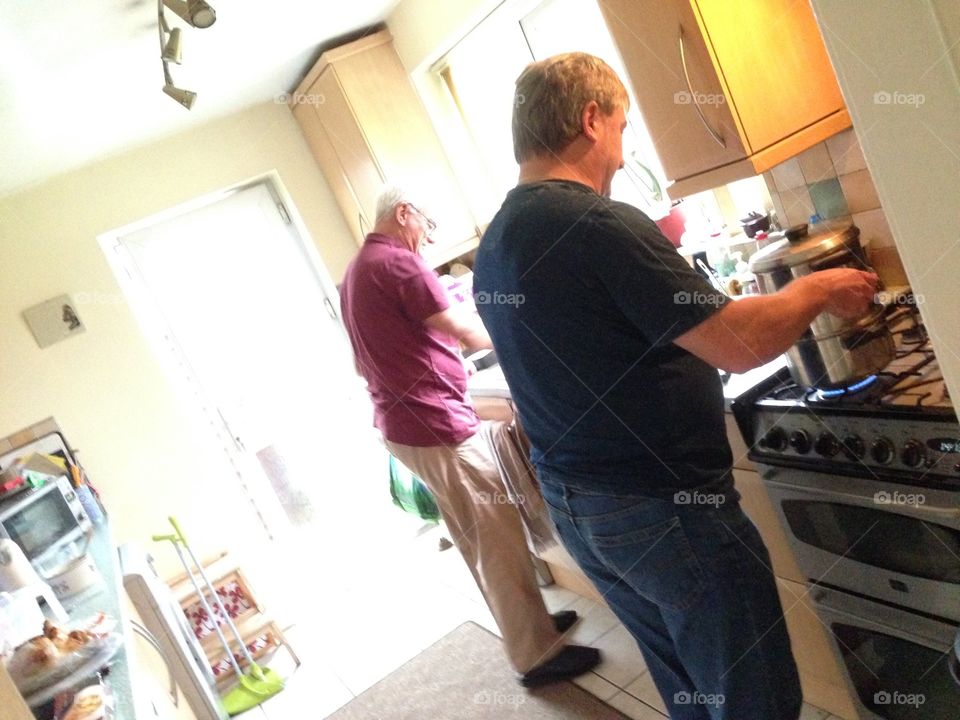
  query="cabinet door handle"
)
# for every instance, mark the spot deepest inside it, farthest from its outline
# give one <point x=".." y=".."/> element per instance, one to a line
<point x="693" y="96"/>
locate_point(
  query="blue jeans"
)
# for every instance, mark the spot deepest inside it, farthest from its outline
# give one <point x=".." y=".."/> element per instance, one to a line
<point x="692" y="583"/>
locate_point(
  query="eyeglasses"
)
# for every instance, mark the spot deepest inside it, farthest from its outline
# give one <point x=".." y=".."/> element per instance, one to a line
<point x="431" y="225"/>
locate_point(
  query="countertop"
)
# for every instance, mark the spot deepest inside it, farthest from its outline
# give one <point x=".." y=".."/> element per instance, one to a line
<point x="491" y="382"/>
<point x="106" y="598"/>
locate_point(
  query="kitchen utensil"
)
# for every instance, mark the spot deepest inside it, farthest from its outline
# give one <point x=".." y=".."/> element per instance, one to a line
<point x="15" y="570"/>
<point x="259" y="684"/>
<point x="75" y="577"/>
<point x="754" y="223"/>
<point x="833" y="352"/>
<point x="712" y="277"/>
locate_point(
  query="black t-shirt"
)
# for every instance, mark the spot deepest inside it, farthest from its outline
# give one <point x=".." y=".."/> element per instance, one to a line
<point x="583" y="297"/>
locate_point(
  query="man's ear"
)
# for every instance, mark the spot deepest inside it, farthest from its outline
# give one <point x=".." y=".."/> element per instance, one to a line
<point x="589" y="119"/>
<point x="400" y="214"/>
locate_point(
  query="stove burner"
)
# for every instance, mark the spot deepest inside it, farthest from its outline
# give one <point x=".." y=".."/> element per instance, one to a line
<point x="849" y="390"/>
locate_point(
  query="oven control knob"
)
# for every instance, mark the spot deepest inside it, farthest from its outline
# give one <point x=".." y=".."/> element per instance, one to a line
<point x="800" y="441"/>
<point x="913" y="453"/>
<point x="853" y="448"/>
<point x="827" y="445"/>
<point x="881" y="450"/>
<point x="775" y="439"/>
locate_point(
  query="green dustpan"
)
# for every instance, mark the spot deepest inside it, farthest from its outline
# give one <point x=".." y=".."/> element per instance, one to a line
<point x="256" y="686"/>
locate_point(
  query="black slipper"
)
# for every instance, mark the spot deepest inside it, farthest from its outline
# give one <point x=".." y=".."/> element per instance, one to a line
<point x="572" y="661"/>
<point x="564" y="620"/>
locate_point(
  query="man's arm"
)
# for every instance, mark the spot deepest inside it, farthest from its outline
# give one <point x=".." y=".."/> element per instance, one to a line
<point x="751" y="332"/>
<point x="462" y="324"/>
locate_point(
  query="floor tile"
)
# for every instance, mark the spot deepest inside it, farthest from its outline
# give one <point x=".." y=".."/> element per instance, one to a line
<point x="595" y="620"/>
<point x="596" y="686"/>
<point x="633" y="708"/>
<point x="558" y="598"/>
<point x="809" y="712"/>
<point x="643" y="688"/>
<point x="622" y="662"/>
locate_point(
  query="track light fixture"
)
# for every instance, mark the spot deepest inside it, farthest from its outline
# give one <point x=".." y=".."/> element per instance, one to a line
<point x="195" y="12"/>
<point x="184" y="97"/>
<point x="199" y="15"/>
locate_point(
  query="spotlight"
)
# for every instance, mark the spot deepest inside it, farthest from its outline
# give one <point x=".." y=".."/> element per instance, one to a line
<point x="172" y="51"/>
<point x="195" y="12"/>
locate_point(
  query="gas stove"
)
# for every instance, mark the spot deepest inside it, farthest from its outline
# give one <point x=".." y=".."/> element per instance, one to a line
<point x="899" y="424"/>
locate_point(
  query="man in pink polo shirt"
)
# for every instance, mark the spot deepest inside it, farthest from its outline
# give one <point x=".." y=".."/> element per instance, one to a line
<point x="405" y="338"/>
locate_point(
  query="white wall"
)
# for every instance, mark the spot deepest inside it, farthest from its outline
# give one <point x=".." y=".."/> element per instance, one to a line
<point x="905" y="53"/>
<point x="423" y="30"/>
<point x="141" y="446"/>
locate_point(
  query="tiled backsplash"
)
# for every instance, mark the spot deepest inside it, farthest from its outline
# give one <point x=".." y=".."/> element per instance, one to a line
<point x="830" y="180"/>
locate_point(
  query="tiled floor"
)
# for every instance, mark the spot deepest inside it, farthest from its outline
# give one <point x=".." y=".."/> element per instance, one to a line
<point x="395" y="599"/>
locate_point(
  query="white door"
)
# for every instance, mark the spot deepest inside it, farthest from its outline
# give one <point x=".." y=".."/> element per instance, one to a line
<point x="244" y="312"/>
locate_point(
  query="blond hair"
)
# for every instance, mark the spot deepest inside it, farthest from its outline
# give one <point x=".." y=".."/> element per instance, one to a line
<point x="550" y="96"/>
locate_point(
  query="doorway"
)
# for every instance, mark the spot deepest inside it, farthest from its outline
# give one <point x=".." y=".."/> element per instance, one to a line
<point x="245" y="317"/>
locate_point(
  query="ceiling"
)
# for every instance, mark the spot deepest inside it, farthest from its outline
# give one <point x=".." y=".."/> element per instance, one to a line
<point x="82" y="80"/>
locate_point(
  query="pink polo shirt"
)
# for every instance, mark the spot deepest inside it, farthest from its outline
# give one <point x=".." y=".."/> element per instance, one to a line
<point x="414" y="374"/>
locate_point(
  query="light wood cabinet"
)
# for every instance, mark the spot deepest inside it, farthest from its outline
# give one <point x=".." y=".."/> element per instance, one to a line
<point x="727" y="90"/>
<point x="366" y="126"/>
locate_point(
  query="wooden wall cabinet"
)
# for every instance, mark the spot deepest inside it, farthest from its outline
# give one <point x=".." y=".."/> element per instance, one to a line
<point x="727" y="89"/>
<point x="365" y="125"/>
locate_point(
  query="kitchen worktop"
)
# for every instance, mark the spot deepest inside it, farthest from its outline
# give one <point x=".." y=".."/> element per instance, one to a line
<point x="105" y="598"/>
<point x="492" y="384"/>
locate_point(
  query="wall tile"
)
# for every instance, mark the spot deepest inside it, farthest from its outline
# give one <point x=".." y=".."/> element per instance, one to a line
<point x="797" y="205"/>
<point x="787" y="175"/>
<point x="873" y="228"/>
<point x="844" y="149"/>
<point x="816" y="165"/>
<point x="859" y="191"/>
<point x="828" y="200"/>
<point x="779" y="208"/>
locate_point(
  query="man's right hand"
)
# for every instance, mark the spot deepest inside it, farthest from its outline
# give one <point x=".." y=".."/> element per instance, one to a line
<point x="848" y="292"/>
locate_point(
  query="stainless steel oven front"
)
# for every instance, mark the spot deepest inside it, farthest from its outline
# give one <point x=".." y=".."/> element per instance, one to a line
<point x="897" y="661"/>
<point x="897" y="543"/>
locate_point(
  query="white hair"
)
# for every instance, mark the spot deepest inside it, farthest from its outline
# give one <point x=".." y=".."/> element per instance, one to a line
<point x="390" y="197"/>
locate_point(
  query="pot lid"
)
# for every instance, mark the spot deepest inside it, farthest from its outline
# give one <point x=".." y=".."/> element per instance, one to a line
<point x="798" y="247"/>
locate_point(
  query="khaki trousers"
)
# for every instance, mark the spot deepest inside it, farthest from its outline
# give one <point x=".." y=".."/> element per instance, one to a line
<point x="486" y="529"/>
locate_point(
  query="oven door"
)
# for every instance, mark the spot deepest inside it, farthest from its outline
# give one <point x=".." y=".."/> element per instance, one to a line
<point x="896" y="662"/>
<point x="893" y="542"/>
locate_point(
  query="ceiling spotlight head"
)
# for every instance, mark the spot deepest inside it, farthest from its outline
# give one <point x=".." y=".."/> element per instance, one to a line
<point x="172" y="51"/>
<point x="184" y="97"/>
<point x="195" y="12"/>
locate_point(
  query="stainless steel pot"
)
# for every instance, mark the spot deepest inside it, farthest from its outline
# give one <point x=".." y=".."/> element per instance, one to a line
<point x="832" y="352"/>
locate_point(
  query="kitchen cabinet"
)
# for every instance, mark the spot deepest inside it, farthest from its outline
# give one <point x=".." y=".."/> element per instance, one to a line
<point x="365" y="126"/>
<point x="727" y="90"/>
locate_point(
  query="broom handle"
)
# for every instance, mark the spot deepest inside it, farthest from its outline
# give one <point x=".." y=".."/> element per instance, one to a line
<point x="203" y="600"/>
<point x="213" y="590"/>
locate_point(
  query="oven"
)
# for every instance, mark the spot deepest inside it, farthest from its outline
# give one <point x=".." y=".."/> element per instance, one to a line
<point x="897" y="661"/>
<point x="866" y="483"/>
<point x="890" y="541"/>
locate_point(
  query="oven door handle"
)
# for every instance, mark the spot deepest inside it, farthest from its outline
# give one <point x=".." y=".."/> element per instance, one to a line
<point x="882" y="499"/>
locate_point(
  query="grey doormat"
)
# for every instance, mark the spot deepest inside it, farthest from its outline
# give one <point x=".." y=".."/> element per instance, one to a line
<point x="465" y="676"/>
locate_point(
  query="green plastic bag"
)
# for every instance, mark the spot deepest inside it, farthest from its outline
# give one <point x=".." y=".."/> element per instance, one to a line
<point x="410" y="494"/>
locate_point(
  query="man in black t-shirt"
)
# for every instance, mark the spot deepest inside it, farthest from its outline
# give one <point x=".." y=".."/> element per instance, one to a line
<point x="610" y="344"/>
